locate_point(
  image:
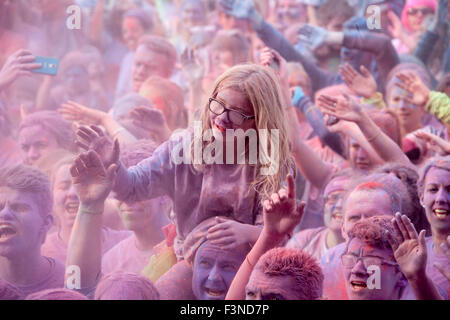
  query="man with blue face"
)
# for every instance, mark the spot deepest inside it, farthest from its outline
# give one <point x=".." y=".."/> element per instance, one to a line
<point x="25" y="218"/>
<point x="214" y="269"/>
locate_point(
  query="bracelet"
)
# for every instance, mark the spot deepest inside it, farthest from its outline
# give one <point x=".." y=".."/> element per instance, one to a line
<point x="374" y="137"/>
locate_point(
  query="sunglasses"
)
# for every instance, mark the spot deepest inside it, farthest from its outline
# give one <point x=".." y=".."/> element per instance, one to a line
<point x="423" y="11"/>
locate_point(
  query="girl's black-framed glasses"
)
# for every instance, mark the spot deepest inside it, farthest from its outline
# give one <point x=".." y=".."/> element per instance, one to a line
<point x="234" y="116"/>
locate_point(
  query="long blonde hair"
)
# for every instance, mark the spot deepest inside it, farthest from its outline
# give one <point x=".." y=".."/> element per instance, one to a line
<point x="261" y="87"/>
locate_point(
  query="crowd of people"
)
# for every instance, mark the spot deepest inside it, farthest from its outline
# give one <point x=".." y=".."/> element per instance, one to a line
<point x="323" y="129"/>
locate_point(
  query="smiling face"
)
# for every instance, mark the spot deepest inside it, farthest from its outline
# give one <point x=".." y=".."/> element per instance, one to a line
<point x="147" y="63"/>
<point x="35" y="142"/>
<point x="132" y="30"/>
<point x="214" y="270"/>
<point x="362" y="204"/>
<point x="436" y="199"/>
<point x="356" y="277"/>
<point x="66" y="202"/>
<point x="333" y="210"/>
<point x="22" y="227"/>
<point x="233" y="100"/>
<point x="266" y="287"/>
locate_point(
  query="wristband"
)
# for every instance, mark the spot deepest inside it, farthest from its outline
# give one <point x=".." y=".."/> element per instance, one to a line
<point x="298" y="95"/>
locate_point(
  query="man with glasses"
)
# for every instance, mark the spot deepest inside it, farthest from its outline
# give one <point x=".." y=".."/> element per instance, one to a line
<point x="382" y="255"/>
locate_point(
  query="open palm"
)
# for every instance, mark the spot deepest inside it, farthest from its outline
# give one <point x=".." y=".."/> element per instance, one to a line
<point x="91" y="180"/>
<point x="363" y="84"/>
<point x="344" y="109"/>
<point x="410" y="250"/>
<point x="93" y="138"/>
<point x="411" y="83"/>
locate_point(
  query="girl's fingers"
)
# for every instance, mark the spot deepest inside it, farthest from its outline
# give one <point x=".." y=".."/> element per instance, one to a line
<point x="217" y="227"/>
<point x="223" y="241"/>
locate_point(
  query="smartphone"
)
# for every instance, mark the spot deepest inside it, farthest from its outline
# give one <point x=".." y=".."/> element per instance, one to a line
<point x="332" y="120"/>
<point x="49" y="65"/>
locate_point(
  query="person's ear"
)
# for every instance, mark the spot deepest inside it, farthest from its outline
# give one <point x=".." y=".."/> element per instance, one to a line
<point x="421" y="200"/>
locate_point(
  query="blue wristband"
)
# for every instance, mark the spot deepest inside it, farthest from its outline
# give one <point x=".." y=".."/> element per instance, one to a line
<point x="298" y="95"/>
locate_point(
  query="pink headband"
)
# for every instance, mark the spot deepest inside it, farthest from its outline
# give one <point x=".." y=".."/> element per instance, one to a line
<point x="415" y="3"/>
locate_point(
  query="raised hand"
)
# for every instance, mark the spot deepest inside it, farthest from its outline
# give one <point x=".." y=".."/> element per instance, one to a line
<point x="344" y="109"/>
<point x="435" y="143"/>
<point x="410" y="250"/>
<point x="363" y="84"/>
<point x="192" y="67"/>
<point x="281" y="214"/>
<point x="271" y="58"/>
<point x="443" y="269"/>
<point x="91" y="180"/>
<point x="241" y="9"/>
<point x="151" y="120"/>
<point x="228" y="234"/>
<point x="18" y="64"/>
<point x="93" y="138"/>
<point x="395" y="26"/>
<point x="313" y="37"/>
<point x="412" y="84"/>
<point x="73" y="111"/>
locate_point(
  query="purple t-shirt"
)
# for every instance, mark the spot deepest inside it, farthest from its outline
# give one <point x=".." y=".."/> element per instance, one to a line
<point x="218" y="190"/>
<point x="54" y="279"/>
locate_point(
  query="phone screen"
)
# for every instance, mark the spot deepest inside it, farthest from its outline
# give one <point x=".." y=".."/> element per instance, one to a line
<point x="49" y="65"/>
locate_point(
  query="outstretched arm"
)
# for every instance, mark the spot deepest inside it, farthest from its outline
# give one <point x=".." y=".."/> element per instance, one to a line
<point x="73" y="111"/>
<point x="411" y="255"/>
<point x="244" y="9"/>
<point x="348" y="109"/>
<point x="281" y="216"/>
<point x="92" y="182"/>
